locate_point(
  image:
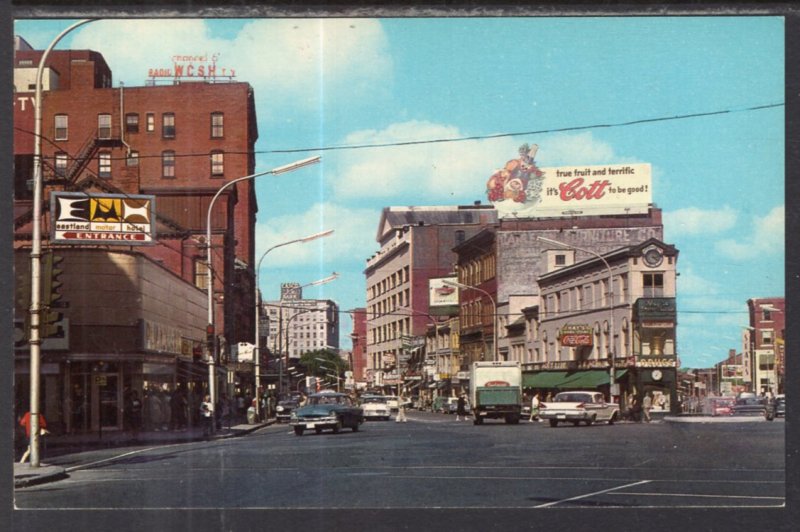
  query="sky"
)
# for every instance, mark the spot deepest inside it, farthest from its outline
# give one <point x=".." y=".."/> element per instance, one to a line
<point x="327" y="86"/>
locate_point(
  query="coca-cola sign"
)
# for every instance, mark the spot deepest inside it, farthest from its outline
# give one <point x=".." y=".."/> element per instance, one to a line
<point x="522" y="189"/>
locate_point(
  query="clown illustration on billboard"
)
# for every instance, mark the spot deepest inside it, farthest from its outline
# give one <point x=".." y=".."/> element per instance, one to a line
<point x="519" y="181"/>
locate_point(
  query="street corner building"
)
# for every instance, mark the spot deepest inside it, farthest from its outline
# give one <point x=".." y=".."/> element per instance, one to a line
<point x="128" y="174"/>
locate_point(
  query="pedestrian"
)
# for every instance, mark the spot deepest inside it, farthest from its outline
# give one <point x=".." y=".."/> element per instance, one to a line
<point x="133" y="413"/>
<point x="647" y="404"/>
<point x="154" y="407"/>
<point x="207" y="415"/>
<point x="26" y="422"/>
<point x="534" y="408"/>
<point x="461" y="408"/>
<point x="401" y="409"/>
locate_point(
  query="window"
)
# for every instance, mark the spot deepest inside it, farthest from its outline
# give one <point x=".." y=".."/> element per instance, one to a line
<point x="61" y="164"/>
<point x="766" y="315"/>
<point x="104" y="165"/>
<point x="766" y="337"/>
<point x="151" y="122"/>
<point x="561" y="260"/>
<point x="168" y="164"/>
<point x="217" y="163"/>
<point x="653" y="284"/>
<point x="201" y="274"/>
<point x="61" y="123"/>
<point x="104" y="126"/>
<point x="168" y="125"/>
<point x="132" y="123"/>
<point x="133" y="158"/>
<point x="217" y="125"/>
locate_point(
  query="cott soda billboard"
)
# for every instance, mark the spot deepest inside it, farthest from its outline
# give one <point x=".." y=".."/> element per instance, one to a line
<point x="523" y="190"/>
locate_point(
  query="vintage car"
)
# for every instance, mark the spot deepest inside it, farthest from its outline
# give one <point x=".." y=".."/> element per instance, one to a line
<point x="754" y="406"/>
<point x="392" y="401"/>
<point x="578" y="406"/>
<point x="375" y="407"/>
<point x="284" y="409"/>
<point x="327" y="410"/>
<point x="780" y="405"/>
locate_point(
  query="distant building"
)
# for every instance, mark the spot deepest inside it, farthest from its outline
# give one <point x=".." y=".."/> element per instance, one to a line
<point x="764" y="344"/>
<point x="358" y="362"/>
<point x="415" y="245"/>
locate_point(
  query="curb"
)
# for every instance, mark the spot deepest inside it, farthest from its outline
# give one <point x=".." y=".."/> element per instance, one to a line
<point x="26" y="480"/>
<point x="715" y="419"/>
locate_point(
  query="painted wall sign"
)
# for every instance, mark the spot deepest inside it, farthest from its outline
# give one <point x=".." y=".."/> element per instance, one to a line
<point x="576" y="335"/>
<point x="523" y="190"/>
<point x="102" y="218"/>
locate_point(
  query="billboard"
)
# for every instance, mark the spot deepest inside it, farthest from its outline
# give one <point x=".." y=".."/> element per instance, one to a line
<point x="522" y="190"/>
<point x="442" y="298"/>
<point x="573" y="335"/>
<point x="89" y="218"/>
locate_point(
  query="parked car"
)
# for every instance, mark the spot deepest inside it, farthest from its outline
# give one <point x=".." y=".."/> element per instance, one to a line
<point x="721" y="406"/>
<point x="375" y="407"/>
<point x="452" y="405"/>
<point x="754" y="406"/>
<point x="284" y="409"/>
<point x="327" y="410"/>
<point x="578" y="406"/>
<point x="391" y="400"/>
<point x="780" y="405"/>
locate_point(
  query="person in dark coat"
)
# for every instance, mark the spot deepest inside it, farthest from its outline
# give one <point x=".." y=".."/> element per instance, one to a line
<point x="461" y="408"/>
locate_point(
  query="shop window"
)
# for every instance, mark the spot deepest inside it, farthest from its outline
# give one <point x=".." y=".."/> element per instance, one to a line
<point x="61" y="126"/>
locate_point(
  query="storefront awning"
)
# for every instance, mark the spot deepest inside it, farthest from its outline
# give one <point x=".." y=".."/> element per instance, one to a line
<point x="589" y="379"/>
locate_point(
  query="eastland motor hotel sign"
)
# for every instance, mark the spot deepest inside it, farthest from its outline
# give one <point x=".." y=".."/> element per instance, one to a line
<point x="523" y="190"/>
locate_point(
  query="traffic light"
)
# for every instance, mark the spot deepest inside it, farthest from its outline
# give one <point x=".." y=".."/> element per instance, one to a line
<point x="51" y="296"/>
<point x="22" y="299"/>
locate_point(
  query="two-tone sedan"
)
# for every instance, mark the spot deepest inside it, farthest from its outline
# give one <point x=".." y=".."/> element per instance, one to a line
<point x="578" y="406"/>
<point x="375" y="407"/>
<point x="327" y="410"/>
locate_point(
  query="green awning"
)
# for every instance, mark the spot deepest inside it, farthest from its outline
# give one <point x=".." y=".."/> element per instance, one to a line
<point x="589" y="379"/>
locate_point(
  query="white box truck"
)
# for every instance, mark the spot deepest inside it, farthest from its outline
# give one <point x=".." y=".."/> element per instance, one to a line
<point x="495" y="391"/>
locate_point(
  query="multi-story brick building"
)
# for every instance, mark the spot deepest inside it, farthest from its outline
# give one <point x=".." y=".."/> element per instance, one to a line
<point x="176" y="142"/>
<point x="764" y="347"/>
<point x="415" y="246"/>
<point x="358" y="337"/>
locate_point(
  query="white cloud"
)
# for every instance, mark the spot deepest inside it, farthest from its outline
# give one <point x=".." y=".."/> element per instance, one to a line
<point x="766" y="238"/>
<point x="353" y="237"/>
<point x="282" y="58"/>
<point x="444" y="170"/>
<point x="695" y="221"/>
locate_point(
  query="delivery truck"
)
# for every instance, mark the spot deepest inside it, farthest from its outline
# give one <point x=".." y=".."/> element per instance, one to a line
<point x="495" y="391"/>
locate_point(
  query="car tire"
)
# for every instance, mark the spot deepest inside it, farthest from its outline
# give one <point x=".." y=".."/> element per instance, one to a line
<point x="355" y="427"/>
<point x="298" y="431"/>
<point x="337" y="427"/>
<point x="553" y="422"/>
<point x="318" y="430"/>
<point x="612" y="419"/>
<point x="590" y="420"/>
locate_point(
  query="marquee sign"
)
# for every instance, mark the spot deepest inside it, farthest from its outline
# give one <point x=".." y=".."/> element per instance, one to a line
<point x="87" y="218"/>
<point x="523" y="190"/>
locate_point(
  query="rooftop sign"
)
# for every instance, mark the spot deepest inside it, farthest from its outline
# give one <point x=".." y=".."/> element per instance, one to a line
<point x="202" y="66"/>
<point x="522" y="190"/>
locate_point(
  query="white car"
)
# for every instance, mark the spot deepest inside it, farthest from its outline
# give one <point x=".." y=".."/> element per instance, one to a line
<point x="578" y="406"/>
<point x="375" y="407"/>
<point x="391" y="400"/>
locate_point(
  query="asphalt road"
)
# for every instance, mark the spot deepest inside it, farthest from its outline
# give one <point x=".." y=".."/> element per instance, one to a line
<point x="434" y="461"/>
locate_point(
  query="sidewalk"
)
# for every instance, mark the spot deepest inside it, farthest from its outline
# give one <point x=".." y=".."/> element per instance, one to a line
<point x="25" y="475"/>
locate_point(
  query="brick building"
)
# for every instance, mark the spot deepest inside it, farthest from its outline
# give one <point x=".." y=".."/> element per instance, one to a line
<point x="179" y="143"/>
<point x="764" y="347"/>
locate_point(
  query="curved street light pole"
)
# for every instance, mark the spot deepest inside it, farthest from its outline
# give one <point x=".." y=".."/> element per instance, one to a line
<point x="210" y="332"/>
<point x="35" y="340"/>
<point x="257" y="348"/>
<point x="611" y="377"/>
<point x="494" y="307"/>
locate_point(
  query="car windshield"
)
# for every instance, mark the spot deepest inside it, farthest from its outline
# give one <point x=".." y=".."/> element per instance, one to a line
<point x="329" y="400"/>
<point x="573" y="398"/>
<point x="380" y="400"/>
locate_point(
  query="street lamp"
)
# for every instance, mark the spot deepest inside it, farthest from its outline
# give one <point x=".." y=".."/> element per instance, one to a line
<point x="611" y="377"/>
<point x="304" y="239"/>
<point x="210" y="333"/>
<point x="494" y="309"/>
<point x="36" y="251"/>
<point x="318" y="282"/>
